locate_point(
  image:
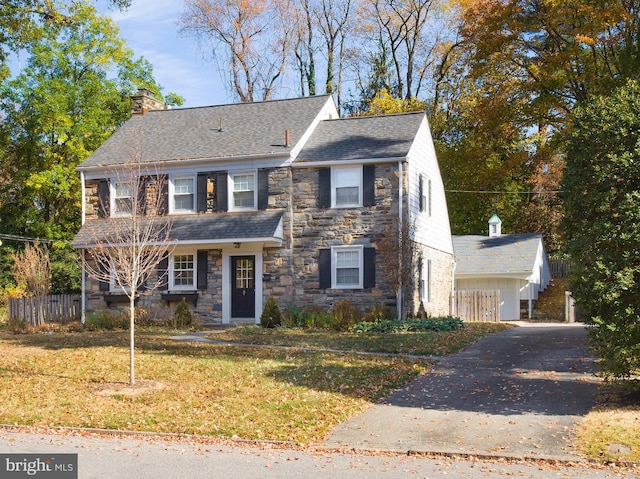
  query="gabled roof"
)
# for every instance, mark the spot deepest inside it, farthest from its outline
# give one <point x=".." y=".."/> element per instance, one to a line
<point x="365" y="137"/>
<point x="223" y="131"/>
<point x="203" y="228"/>
<point x="500" y="255"/>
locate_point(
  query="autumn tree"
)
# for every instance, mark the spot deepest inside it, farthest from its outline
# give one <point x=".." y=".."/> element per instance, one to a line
<point x="21" y="21"/>
<point x="248" y="39"/>
<point x="409" y="32"/>
<point x="602" y="204"/>
<point x="137" y="238"/>
<point x="71" y="95"/>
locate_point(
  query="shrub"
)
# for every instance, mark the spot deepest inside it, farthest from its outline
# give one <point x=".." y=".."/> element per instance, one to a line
<point x="447" y="323"/>
<point x="107" y="320"/>
<point x="379" y="312"/>
<point x="271" y="316"/>
<point x="182" y="318"/>
<point x="344" y="315"/>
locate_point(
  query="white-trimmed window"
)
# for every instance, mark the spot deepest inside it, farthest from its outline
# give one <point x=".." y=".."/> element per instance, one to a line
<point x="346" y="187"/>
<point x="347" y="267"/>
<point x="243" y="191"/>
<point x="425" y="195"/>
<point x="425" y="281"/>
<point x="122" y="199"/>
<point x="182" y="271"/>
<point x="182" y="195"/>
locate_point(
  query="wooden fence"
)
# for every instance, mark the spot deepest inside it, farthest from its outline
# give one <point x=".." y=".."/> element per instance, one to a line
<point x="52" y="308"/>
<point x="478" y="305"/>
<point x="559" y="268"/>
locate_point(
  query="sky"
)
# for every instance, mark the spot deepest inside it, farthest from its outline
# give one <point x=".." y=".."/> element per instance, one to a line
<point x="150" y="29"/>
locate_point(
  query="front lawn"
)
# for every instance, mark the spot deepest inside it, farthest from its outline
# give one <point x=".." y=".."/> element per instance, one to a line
<point x="60" y="379"/>
<point x="430" y="343"/>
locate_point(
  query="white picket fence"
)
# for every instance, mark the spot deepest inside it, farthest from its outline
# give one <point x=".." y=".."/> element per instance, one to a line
<point x="478" y="305"/>
<point x="48" y="309"/>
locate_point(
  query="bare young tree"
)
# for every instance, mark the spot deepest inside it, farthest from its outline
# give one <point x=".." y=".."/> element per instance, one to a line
<point x="132" y="240"/>
<point x="254" y="36"/>
<point x="398" y="253"/>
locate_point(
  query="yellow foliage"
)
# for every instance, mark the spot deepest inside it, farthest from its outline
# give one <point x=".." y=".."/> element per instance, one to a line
<point x="384" y="104"/>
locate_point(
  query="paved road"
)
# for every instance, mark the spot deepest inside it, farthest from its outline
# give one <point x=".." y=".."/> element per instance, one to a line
<point x="130" y="458"/>
<point x="517" y="394"/>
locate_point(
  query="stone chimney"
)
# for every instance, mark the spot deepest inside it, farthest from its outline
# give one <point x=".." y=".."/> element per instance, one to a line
<point x="144" y="101"/>
<point x="495" y="226"/>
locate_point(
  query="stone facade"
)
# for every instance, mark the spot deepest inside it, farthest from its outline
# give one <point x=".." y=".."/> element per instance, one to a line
<point x="290" y="273"/>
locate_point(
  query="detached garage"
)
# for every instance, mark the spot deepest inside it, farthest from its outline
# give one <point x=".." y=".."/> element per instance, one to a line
<point x="514" y="264"/>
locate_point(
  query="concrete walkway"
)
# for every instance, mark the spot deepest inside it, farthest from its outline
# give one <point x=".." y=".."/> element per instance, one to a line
<point x="519" y="393"/>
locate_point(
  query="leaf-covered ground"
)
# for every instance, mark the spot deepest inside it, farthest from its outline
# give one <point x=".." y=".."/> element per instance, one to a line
<point x="430" y="343"/>
<point x="252" y="393"/>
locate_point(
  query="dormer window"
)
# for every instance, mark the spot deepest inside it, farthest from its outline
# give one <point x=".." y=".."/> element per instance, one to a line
<point x="182" y="195"/>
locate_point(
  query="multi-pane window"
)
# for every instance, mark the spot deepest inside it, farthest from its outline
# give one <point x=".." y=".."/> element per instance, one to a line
<point x="244" y="191"/>
<point x="183" y="190"/>
<point x="346" y="186"/>
<point x="122" y="199"/>
<point x="183" y="271"/>
<point x="425" y="281"/>
<point x="347" y="267"/>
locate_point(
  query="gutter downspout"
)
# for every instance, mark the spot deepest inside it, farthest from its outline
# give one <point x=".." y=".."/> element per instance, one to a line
<point x="83" y="294"/>
<point x="400" y="239"/>
<point x="453" y="290"/>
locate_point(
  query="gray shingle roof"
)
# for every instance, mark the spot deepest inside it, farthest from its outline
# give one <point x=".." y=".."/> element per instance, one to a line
<point x="364" y="137"/>
<point x="216" y="227"/>
<point x="194" y="133"/>
<point x="510" y="253"/>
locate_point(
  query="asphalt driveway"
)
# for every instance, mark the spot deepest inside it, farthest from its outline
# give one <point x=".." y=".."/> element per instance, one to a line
<point x="518" y="393"/>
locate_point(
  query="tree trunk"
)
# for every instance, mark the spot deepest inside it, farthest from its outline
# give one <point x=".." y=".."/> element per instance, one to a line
<point x="132" y="317"/>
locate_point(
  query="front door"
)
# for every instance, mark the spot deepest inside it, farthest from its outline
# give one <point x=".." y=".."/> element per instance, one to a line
<point x="243" y="287"/>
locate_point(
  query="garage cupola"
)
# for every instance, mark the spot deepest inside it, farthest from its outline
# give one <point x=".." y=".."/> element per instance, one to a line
<point x="495" y="226"/>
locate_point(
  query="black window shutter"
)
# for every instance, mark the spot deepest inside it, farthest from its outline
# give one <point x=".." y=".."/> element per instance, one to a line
<point x="263" y="189"/>
<point x="324" y="188"/>
<point x="103" y="199"/>
<point x="203" y="266"/>
<point x="221" y="192"/>
<point x="163" y="273"/>
<point x="103" y="285"/>
<point x="369" y="267"/>
<point x="142" y="194"/>
<point x="369" y="185"/>
<point x="164" y="194"/>
<point x="324" y="268"/>
<point x="420" y="192"/>
<point x="201" y="192"/>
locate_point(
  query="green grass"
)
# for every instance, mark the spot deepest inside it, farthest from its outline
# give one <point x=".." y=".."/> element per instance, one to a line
<point x="439" y="343"/>
<point x="252" y="393"/>
<point x="79" y="380"/>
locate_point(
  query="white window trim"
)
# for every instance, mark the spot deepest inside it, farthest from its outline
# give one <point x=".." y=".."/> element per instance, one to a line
<point x="334" y="255"/>
<point x="172" y="208"/>
<point x="425" y="188"/>
<point x="113" y="198"/>
<point x="230" y="188"/>
<point x="182" y="287"/>
<point x="360" y="187"/>
<point x="425" y="281"/>
<point x="114" y="287"/>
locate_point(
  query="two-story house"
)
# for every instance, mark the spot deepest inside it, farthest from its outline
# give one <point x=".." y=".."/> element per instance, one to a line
<point x="278" y="198"/>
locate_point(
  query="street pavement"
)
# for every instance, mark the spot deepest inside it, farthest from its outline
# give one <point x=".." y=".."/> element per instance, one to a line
<point x="518" y="394"/>
<point x="113" y="457"/>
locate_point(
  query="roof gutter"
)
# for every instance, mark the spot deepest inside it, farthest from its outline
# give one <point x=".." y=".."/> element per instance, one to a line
<point x="364" y="161"/>
<point x="183" y="161"/>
